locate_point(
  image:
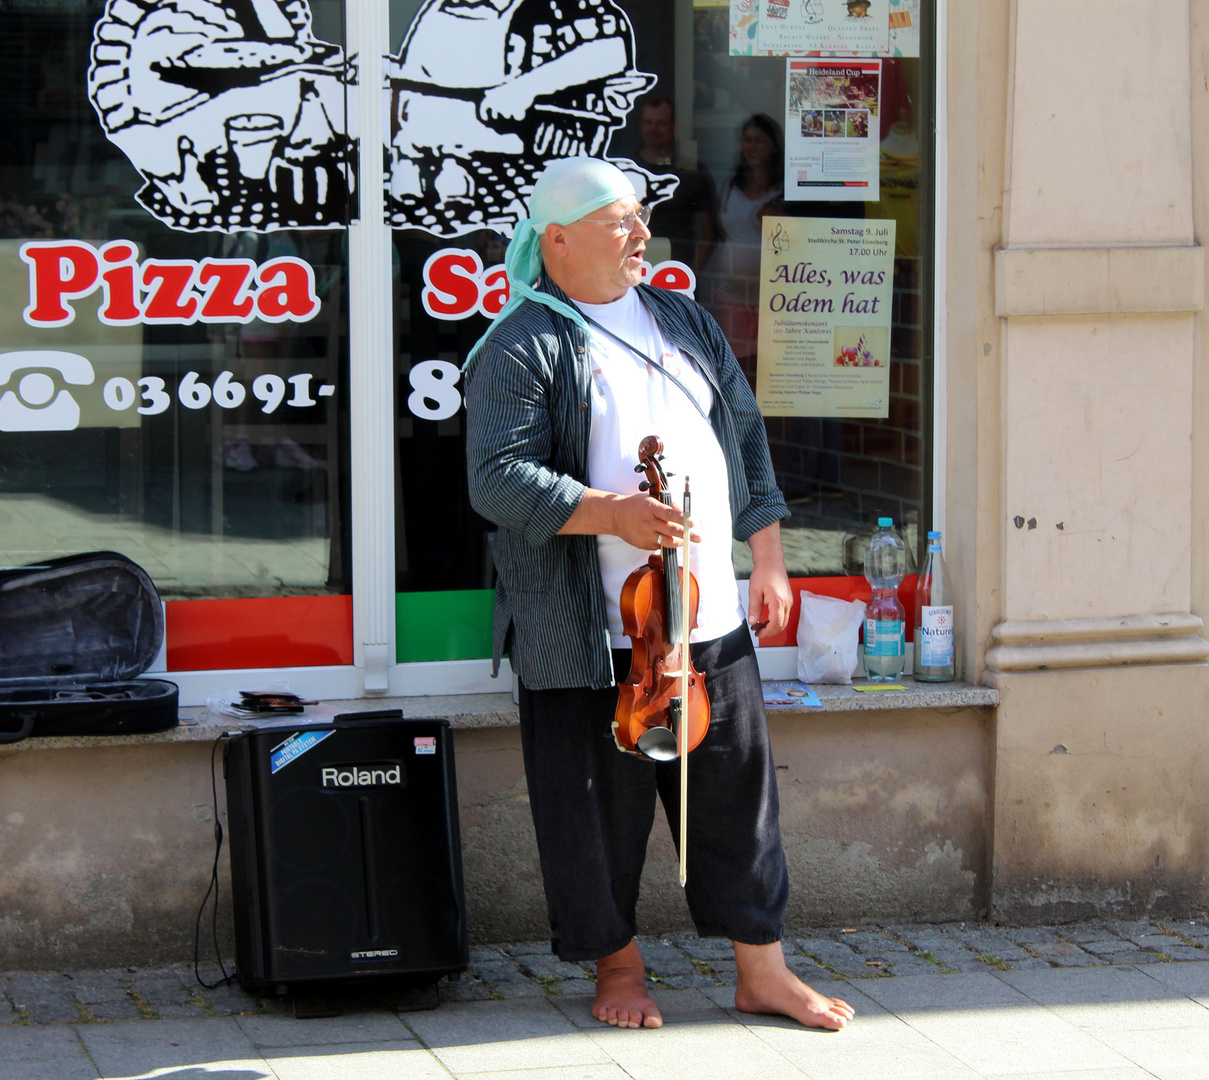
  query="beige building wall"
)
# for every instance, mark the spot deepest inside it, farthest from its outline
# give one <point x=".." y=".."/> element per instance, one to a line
<point x="1073" y="416"/>
<point x="107" y="849"/>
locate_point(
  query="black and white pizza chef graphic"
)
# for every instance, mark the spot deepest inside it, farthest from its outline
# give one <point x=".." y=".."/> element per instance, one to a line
<point x="233" y="112"/>
<point x="485" y="93"/>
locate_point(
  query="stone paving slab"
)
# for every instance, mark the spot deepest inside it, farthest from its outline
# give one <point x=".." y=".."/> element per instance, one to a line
<point x="1171" y="1054"/>
<point x="1098" y="947"/>
<point x="954" y="961"/>
<point x="980" y="1002"/>
<point x="528" y="970"/>
<point x="42" y="998"/>
<point x="379" y="1061"/>
<point x="802" y="966"/>
<point x="704" y="948"/>
<point x="1191" y="980"/>
<point x="837" y="958"/>
<point x="1127" y="1072"/>
<point x="575" y="988"/>
<point x="700" y="1038"/>
<point x="1029" y="935"/>
<point x="31" y="1052"/>
<point x="549" y="968"/>
<point x="509" y="1035"/>
<point x="366" y="1025"/>
<point x="663" y="958"/>
<point x="1190" y="930"/>
<point x="105" y="995"/>
<point x="135" y="1049"/>
<point x="872" y="943"/>
<point x="910" y="964"/>
<point x="167" y="994"/>
<point x="1064" y="954"/>
<point x="1107" y="999"/>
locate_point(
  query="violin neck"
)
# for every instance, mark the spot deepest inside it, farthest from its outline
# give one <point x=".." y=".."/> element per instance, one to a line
<point x="673" y="612"/>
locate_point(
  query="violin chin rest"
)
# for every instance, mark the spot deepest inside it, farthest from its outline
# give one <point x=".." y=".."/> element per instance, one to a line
<point x="658" y="743"/>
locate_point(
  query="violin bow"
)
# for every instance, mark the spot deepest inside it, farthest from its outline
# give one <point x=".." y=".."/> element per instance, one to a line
<point x="685" y="664"/>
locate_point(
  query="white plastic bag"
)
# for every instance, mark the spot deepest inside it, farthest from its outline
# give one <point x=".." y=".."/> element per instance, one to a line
<point x="828" y="630"/>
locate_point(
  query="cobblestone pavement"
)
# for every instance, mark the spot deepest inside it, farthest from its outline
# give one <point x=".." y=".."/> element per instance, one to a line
<point x="529" y="970"/>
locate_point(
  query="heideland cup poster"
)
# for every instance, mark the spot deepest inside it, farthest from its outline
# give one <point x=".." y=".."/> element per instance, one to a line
<point x="832" y="131"/>
<point x="825" y="287"/>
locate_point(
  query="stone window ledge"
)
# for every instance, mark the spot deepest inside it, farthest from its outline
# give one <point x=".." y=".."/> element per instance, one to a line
<point x="498" y="711"/>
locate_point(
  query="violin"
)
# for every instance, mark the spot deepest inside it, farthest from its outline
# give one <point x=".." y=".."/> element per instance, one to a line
<point x="653" y="717"/>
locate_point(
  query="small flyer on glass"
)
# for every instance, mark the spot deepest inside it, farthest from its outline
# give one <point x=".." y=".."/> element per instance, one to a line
<point x="902" y="18"/>
<point x="832" y="130"/>
<point x="800" y="26"/>
<point x="825" y="288"/>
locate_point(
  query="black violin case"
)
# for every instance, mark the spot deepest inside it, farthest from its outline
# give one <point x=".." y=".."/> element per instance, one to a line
<point x="75" y="633"/>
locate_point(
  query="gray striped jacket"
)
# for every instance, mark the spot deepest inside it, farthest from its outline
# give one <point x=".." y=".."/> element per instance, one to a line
<point x="528" y="412"/>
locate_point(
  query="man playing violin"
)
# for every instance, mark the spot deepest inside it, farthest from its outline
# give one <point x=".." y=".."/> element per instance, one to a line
<point x="568" y="379"/>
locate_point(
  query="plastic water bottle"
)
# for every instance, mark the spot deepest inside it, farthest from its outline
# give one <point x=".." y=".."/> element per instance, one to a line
<point x="885" y="619"/>
<point x="934" y="655"/>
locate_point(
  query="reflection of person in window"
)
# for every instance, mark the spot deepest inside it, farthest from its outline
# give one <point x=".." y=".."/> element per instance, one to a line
<point x="754" y="190"/>
<point x="689" y="218"/>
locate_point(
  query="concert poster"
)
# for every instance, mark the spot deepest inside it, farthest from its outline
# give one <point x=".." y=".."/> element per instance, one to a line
<point x="825" y="289"/>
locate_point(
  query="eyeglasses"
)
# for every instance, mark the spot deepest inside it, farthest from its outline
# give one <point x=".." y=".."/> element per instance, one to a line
<point x="628" y="223"/>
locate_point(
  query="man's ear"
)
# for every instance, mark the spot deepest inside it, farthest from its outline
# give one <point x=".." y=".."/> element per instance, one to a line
<point x="554" y="241"/>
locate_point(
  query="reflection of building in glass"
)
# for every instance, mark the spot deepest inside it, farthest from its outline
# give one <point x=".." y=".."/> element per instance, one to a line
<point x="485" y="93"/>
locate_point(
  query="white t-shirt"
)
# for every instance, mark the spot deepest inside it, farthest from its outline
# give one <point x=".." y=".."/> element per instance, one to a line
<point x="630" y="400"/>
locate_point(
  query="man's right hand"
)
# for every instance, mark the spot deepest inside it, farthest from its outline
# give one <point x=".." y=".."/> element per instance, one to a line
<point x="640" y="520"/>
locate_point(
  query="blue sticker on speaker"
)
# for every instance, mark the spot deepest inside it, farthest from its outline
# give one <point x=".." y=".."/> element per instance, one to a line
<point x="294" y="747"/>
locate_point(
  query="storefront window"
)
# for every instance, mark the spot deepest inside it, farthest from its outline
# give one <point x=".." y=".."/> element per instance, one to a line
<point x="173" y="310"/>
<point x="734" y="131"/>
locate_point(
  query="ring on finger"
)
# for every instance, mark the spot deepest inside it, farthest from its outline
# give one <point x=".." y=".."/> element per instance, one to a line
<point x="659" y="540"/>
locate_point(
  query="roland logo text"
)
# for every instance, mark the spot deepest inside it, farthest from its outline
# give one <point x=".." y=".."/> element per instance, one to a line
<point x="341" y="776"/>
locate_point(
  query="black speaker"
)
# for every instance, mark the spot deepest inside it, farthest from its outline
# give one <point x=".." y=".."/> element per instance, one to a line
<point x="346" y="858"/>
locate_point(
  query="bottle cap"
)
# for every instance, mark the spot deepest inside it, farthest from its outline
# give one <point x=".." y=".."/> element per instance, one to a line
<point x="885" y="523"/>
<point x="933" y="535"/>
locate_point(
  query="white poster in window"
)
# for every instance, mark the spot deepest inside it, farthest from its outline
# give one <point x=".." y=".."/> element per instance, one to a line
<point x="801" y="26"/>
<point x="832" y="130"/>
<point x="904" y="28"/>
<point x="744" y="28"/>
<point x="825" y="292"/>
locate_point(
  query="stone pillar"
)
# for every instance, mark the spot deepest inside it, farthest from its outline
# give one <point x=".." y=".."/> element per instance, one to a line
<point x="1098" y="653"/>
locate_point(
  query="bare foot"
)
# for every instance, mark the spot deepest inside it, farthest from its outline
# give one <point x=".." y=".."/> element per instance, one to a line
<point x="621" y="996"/>
<point x="766" y="985"/>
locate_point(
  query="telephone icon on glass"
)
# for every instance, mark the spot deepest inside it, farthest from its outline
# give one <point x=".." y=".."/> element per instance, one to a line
<point x="35" y="405"/>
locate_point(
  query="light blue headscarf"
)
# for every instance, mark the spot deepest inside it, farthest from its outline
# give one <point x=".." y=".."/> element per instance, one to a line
<point x="568" y="190"/>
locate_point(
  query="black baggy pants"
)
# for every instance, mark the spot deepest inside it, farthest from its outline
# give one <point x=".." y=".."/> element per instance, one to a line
<point x="594" y="806"/>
